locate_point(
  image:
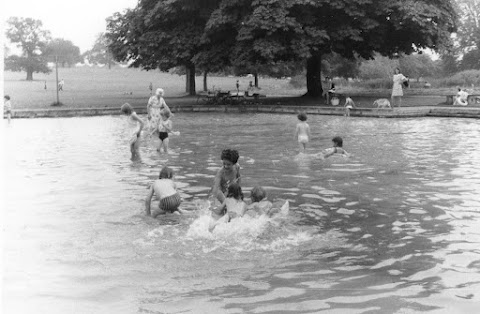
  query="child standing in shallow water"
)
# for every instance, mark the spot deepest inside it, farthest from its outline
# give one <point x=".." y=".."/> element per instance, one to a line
<point x="302" y="131"/>
<point x="164" y="127"/>
<point x="135" y="124"/>
<point x="165" y="189"/>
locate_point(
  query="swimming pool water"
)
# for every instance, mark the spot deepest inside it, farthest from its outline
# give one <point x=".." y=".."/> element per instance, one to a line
<point x="395" y="228"/>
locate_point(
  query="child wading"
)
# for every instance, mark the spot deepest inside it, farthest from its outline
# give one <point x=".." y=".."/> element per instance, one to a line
<point x="135" y="125"/>
<point x="165" y="189"/>
<point x="302" y="132"/>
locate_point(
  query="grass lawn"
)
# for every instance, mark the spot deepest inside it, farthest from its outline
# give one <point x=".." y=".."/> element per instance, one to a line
<point x="92" y="87"/>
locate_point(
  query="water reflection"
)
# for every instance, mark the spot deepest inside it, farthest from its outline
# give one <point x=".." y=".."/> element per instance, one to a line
<point x="394" y="228"/>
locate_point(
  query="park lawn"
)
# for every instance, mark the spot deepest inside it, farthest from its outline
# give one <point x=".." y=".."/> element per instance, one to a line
<point x="96" y="87"/>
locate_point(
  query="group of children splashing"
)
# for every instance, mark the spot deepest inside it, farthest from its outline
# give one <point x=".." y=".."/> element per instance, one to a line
<point x="227" y="184"/>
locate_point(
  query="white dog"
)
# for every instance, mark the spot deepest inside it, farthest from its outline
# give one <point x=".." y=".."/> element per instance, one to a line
<point x="382" y="103"/>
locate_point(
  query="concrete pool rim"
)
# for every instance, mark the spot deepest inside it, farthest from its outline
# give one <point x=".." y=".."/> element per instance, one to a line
<point x="403" y="112"/>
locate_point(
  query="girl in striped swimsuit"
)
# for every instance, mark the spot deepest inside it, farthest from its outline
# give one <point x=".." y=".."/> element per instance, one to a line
<point x="165" y="189"/>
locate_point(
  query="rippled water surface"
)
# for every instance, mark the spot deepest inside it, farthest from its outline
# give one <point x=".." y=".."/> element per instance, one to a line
<point x="395" y="228"/>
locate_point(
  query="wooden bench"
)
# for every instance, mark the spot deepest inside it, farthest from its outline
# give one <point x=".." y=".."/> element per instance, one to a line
<point x="473" y="99"/>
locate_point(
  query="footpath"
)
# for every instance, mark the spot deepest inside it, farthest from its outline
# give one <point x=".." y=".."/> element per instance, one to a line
<point x="414" y="107"/>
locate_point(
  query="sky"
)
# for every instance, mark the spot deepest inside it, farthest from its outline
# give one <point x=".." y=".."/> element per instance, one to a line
<point x="79" y="21"/>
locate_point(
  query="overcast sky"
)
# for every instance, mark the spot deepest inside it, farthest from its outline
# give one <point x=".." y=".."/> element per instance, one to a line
<point x="78" y="21"/>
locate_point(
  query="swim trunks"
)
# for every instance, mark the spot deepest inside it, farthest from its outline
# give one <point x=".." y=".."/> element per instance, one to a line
<point x="162" y="135"/>
<point x="170" y="203"/>
<point x="303" y="139"/>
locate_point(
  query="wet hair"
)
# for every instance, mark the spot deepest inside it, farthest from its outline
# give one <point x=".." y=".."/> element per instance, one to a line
<point x="234" y="190"/>
<point x="338" y="140"/>
<point x="258" y="193"/>
<point x="302" y="116"/>
<point x="230" y="155"/>
<point x="6" y="97"/>
<point x="166" y="173"/>
<point x="126" y="108"/>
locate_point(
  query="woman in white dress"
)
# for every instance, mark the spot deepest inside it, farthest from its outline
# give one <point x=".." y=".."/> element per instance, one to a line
<point x="156" y="104"/>
<point x="397" y="90"/>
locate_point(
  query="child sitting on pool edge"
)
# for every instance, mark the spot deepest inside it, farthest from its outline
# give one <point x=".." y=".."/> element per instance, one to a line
<point x="336" y="149"/>
<point x="166" y="191"/>
<point x="228" y="174"/>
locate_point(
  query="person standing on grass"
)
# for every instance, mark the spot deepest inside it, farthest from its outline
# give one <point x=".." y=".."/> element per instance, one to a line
<point x="60" y="85"/>
<point x="156" y="105"/>
<point x="7" y="107"/>
<point x="397" y="90"/>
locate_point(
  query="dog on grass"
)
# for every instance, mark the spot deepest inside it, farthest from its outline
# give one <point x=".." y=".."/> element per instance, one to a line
<point x="382" y="103"/>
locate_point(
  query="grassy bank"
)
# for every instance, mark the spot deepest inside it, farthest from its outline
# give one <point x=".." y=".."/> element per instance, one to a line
<point x="87" y="87"/>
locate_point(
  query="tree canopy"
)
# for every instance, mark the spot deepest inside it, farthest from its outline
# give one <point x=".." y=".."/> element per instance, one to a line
<point x="100" y="52"/>
<point x="65" y="51"/>
<point x="218" y="33"/>
<point x="28" y="34"/>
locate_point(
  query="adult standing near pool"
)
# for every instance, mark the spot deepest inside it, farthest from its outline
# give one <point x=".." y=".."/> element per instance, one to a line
<point x="397" y="90"/>
<point x="156" y="104"/>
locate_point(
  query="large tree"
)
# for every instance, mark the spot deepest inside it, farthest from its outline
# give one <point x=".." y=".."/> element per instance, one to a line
<point x="100" y="52"/>
<point x="28" y="34"/>
<point x="64" y="50"/>
<point x="161" y="33"/>
<point x="469" y="23"/>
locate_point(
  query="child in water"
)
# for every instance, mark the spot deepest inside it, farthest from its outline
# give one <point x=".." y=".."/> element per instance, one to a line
<point x="233" y="206"/>
<point x="302" y="131"/>
<point x="260" y="204"/>
<point x="164" y="127"/>
<point x="165" y="189"/>
<point x="336" y="149"/>
<point x="228" y="174"/>
<point x="135" y="124"/>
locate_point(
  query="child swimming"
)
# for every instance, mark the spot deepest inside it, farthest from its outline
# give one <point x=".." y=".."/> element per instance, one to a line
<point x="302" y="131"/>
<point x="165" y="189"/>
<point x="135" y="124"/>
<point x="336" y="149"/>
<point x="228" y="174"/>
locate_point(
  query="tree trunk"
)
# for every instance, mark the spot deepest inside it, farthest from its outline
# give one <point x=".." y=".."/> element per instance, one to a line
<point x="29" y="74"/>
<point x="190" y="81"/>
<point x="205" y="87"/>
<point x="314" y="79"/>
<point x="256" y="79"/>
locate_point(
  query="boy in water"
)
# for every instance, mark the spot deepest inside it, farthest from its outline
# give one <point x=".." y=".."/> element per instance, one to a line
<point x="228" y="174"/>
<point x="302" y="131"/>
<point x="336" y="149"/>
<point x="166" y="190"/>
<point x="260" y="204"/>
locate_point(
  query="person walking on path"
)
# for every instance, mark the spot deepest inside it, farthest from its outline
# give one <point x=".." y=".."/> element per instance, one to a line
<point x="397" y="90"/>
